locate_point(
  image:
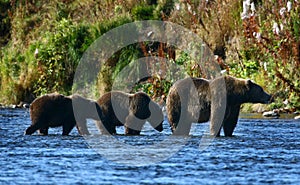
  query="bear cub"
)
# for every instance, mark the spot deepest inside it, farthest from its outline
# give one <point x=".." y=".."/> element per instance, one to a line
<point x="130" y="111"/>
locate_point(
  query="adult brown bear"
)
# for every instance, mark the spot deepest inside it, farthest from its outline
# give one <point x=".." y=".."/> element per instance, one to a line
<point x="130" y="111"/>
<point x="54" y="110"/>
<point x="196" y="100"/>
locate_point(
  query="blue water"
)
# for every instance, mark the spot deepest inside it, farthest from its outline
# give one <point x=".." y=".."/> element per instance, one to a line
<point x="263" y="151"/>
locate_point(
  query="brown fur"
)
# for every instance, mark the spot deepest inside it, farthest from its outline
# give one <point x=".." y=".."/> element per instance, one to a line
<point x="55" y="110"/>
<point x="235" y="86"/>
<point x="198" y="100"/>
<point x="130" y="110"/>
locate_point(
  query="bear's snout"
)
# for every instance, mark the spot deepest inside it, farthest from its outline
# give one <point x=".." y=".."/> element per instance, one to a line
<point x="267" y="98"/>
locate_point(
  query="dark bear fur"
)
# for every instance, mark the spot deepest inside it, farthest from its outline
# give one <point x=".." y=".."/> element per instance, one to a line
<point x="130" y="110"/>
<point x="55" y="110"/>
<point x="196" y="100"/>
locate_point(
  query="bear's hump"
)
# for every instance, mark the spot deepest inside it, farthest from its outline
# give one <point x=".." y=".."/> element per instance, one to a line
<point x="236" y="85"/>
<point x="52" y="97"/>
<point x="140" y="95"/>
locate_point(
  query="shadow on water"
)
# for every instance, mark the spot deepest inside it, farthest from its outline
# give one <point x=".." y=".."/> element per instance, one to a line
<point x="263" y="151"/>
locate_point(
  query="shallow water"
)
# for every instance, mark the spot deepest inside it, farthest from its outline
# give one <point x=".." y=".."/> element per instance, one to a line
<point x="263" y="151"/>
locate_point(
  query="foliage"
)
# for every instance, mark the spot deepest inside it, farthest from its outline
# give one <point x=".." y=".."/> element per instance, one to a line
<point x="47" y="43"/>
<point x="156" y="87"/>
<point x="4" y="22"/>
<point x="58" y="56"/>
<point x="253" y="39"/>
<point x="273" y="44"/>
<point x="214" y="21"/>
<point x="143" y="12"/>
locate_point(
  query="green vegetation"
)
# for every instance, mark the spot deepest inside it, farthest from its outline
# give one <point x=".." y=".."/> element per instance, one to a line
<point x="42" y="43"/>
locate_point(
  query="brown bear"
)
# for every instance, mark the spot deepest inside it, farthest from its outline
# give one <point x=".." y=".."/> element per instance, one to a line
<point x="130" y="111"/>
<point x="55" y="110"/>
<point x="196" y="100"/>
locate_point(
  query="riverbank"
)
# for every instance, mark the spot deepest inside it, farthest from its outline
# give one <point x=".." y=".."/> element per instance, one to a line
<point x="246" y="114"/>
<point x="14" y="106"/>
<point x="264" y="111"/>
<point x="260" y="116"/>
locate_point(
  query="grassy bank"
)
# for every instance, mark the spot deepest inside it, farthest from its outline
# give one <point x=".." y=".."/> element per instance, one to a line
<point x="42" y="43"/>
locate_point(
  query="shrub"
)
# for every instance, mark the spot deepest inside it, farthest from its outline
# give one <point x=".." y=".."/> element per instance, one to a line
<point x="143" y="12"/>
<point x="273" y="42"/>
<point x="58" y="56"/>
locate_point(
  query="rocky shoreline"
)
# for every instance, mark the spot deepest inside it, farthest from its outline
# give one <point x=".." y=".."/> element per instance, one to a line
<point x="256" y="109"/>
<point x="13" y="106"/>
<point x="266" y="112"/>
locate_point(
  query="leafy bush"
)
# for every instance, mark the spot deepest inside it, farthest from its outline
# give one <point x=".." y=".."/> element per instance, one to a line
<point x="143" y="12"/>
<point x="46" y="47"/>
<point x="4" y="22"/>
<point x="273" y="42"/>
<point x="58" y="56"/>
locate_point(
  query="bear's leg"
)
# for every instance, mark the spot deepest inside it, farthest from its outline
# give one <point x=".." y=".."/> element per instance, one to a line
<point x="133" y="125"/>
<point x="129" y="131"/>
<point x="173" y="126"/>
<point x="183" y="127"/>
<point x="31" y="129"/>
<point x="218" y="110"/>
<point x="183" y="118"/>
<point x="82" y="128"/>
<point x="67" y="127"/>
<point x="44" y="131"/>
<point x="231" y="119"/>
<point x="174" y="115"/>
<point x="106" y="127"/>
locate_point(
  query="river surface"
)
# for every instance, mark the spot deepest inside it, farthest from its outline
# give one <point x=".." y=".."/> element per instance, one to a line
<point x="263" y="151"/>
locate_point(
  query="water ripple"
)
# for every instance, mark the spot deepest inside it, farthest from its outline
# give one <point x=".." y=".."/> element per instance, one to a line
<point x="261" y="152"/>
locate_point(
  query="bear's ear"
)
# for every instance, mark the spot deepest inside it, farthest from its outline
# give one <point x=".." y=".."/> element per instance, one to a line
<point x="248" y="84"/>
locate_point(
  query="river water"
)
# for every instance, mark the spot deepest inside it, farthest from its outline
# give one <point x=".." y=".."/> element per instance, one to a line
<point x="263" y="151"/>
